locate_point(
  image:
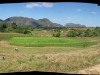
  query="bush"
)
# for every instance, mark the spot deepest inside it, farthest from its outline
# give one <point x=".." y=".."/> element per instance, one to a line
<point x="57" y="34"/>
<point x="25" y="32"/>
<point x="72" y="33"/>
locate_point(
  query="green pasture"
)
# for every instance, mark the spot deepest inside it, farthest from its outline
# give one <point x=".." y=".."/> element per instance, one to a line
<point x="48" y="41"/>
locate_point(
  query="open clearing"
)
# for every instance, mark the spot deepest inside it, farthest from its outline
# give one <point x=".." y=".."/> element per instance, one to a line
<point x="50" y="59"/>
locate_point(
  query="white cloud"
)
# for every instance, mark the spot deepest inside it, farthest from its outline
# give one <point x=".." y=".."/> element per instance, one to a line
<point x="43" y="4"/>
<point x="93" y="12"/>
<point x="79" y="10"/>
<point x="47" y="4"/>
<point x="31" y="5"/>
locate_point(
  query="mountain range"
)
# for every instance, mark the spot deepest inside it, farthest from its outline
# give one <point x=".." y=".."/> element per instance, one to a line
<point x="74" y="25"/>
<point x="44" y="22"/>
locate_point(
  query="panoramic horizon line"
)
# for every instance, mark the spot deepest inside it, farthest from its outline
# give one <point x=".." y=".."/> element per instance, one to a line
<point x="52" y="22"/>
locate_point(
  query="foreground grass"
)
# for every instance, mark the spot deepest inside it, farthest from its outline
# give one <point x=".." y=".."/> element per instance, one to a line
<point x="48" y="41"/>
<point x="51" y="59"/>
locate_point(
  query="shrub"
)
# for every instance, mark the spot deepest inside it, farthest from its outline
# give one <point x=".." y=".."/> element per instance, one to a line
<point x="57" y="34"/>
<point x="71" y="33"/>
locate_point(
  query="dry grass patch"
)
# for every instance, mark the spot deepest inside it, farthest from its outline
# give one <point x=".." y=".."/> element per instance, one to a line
<point x="91" y="70"/>
<point x="73" y="61"/>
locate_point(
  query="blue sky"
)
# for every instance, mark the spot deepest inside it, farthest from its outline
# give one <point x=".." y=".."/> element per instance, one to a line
<point x="60" y="12"/>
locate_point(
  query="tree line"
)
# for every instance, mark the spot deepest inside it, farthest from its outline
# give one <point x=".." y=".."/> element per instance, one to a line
<point x="84" y="33"/>
<point x="12" y="27"/>
<point x="4" y="27"/>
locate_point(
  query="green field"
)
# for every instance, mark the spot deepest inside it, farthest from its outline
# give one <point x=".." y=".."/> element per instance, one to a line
<point x="49" y="54"/>
<point x="48" y="41"/>
<point x="7" y="36"/>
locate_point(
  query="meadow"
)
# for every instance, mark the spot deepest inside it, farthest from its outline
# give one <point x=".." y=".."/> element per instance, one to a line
<point x="48" y="41"/>
<point x="38" y="53"/>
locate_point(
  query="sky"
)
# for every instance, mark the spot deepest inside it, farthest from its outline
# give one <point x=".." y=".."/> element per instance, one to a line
<point x="60" y="12"/>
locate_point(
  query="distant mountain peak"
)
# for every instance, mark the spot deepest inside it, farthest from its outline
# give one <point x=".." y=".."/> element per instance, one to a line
<point x="74" y="25"/>
<point x="19" y="20"/>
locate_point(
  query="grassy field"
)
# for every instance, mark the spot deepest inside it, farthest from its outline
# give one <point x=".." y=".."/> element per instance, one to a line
<point x="48" y="41"/>
<point x="7" y="36"/>
<point x="49" y="58"/>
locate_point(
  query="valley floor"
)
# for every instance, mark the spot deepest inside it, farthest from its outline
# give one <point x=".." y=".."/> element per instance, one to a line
<point x="74" y="58"/>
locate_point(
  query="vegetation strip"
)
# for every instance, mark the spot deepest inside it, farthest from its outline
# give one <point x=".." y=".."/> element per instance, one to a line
<point x="48" y="41"/>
